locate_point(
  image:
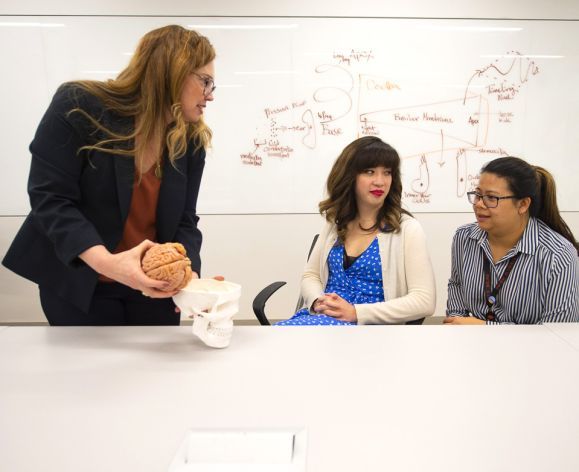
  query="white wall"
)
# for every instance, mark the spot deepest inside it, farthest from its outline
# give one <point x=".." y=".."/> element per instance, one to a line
<point x="522" y="9"/>
<point x="258" y="249"/>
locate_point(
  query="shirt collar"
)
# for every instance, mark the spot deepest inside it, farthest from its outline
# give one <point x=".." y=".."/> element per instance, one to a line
<point x="530" y="239"/>
<point x="527" y="244"/>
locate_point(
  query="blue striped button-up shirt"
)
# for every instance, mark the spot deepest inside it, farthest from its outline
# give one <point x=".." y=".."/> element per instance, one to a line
<point x="542" y="287"/>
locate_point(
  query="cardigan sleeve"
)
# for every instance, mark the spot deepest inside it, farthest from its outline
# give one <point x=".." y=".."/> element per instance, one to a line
<point x="416" y="269"/>
<point x="313" y="283"/>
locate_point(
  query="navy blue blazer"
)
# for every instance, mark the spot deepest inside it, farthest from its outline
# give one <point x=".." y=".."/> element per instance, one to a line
<point x="79" y="200"/>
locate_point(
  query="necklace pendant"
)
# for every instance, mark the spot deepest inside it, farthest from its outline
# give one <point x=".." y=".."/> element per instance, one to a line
<point x="158" y="171"/>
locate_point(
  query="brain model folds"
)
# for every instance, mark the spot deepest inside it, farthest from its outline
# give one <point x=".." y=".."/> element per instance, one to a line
<point x="168" y="262"/>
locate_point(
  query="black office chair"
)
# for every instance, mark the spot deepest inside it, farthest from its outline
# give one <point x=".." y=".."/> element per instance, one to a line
<point x="264" y="295"/>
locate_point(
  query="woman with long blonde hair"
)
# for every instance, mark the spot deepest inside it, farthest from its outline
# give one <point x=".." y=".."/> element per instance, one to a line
<point x="116" y="168"/>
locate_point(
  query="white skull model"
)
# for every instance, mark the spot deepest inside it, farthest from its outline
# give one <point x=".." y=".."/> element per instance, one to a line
<point x="212" y="305"/>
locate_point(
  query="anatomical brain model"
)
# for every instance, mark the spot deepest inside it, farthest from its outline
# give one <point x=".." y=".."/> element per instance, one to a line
<point x="168" y="262"/>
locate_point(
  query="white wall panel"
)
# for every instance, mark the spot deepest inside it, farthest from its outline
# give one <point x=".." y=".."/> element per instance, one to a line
<point x="367" y="8"/>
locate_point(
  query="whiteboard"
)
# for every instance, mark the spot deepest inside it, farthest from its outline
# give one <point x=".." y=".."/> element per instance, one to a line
<point x="449" y="95"/>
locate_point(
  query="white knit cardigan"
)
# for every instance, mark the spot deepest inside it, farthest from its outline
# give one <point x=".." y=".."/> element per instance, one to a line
<point x="408" y="278"/>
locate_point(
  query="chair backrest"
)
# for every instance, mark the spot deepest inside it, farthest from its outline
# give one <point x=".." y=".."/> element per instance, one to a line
<point x="263" y="296"/>
<point x="301" y="299"/>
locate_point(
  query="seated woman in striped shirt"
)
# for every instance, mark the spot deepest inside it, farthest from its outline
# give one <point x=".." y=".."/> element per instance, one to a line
<point x="518" y="263"/>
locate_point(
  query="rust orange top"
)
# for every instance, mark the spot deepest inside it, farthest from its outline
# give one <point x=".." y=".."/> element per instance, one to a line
<point x="142" y="218"/>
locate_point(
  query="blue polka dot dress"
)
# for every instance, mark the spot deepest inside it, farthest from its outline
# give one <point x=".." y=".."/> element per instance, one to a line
<point x="359" y="283"/>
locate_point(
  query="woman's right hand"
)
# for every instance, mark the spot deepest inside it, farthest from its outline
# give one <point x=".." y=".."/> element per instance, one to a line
<point x="317" y="306"/>
<point x="125" y="268"/>
<point x="331" y="304"/>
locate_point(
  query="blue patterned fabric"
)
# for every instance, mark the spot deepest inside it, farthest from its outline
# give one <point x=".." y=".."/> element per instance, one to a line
<point x="359" y="283"/>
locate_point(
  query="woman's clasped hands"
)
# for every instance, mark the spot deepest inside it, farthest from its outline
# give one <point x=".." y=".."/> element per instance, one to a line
<point x="331" y="304"/>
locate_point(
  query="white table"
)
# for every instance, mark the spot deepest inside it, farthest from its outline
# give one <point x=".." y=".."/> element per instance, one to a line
<point x="383" y="398"/>
<point x="566" y="331"/>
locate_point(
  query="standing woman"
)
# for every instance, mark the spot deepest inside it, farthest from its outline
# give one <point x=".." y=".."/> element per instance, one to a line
<point x="370" y="264"/>
<point x="518" y="263"/>
<point x="116" y="166"/>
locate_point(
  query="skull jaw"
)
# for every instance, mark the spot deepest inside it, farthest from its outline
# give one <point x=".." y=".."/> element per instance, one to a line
<point x="215" y="334"/>
<point x="212" y="305"/>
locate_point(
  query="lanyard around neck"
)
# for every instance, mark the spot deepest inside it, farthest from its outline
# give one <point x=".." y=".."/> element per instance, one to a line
<point x="491" y="295"/>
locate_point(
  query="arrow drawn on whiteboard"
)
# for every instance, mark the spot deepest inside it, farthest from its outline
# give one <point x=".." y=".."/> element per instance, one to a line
<point x="441" y="161"/>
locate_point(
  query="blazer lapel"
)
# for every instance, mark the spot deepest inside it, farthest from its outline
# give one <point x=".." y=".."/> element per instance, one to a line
<point x="172" y="195"/>
<point x="124" y="165"/>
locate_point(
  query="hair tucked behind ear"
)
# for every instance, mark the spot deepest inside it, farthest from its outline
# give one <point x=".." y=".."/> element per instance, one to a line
<point x="537" y="183"/>
<point x="149" y="89"/>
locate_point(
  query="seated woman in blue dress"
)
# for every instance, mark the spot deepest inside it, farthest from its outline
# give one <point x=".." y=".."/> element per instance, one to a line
<point x="518" y="263"/>
<point x="370" y="264"/>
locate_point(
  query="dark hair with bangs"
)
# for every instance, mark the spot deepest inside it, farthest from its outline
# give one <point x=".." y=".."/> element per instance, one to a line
<point x="340" y="207"/>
